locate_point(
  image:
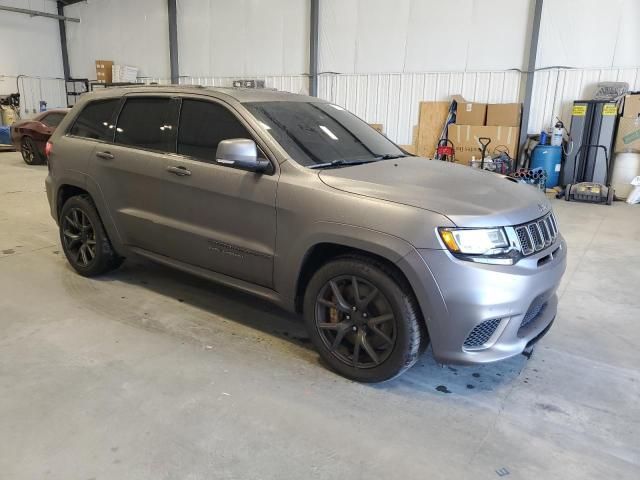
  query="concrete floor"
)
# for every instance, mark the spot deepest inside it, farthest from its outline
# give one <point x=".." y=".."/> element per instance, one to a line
<point x="148" y="373"/>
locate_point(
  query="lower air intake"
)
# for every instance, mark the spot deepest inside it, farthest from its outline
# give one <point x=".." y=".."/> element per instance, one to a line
<point x="481" y="333"/>
<point x="535" y="309"/>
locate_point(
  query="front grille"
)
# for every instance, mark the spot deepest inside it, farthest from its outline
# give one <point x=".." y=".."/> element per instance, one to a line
<point x="535" y="309"/>
<point x="481" y="333"/>
<point x="537" y="235"/>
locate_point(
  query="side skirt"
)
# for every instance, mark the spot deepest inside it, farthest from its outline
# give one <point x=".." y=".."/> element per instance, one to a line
<point x="259" y="291"/>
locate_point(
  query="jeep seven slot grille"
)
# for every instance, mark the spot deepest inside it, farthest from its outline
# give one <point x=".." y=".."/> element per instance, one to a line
<point x="537" y="235"/>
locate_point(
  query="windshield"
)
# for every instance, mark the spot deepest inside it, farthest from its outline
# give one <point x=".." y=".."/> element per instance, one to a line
<point x="322" y="134"/>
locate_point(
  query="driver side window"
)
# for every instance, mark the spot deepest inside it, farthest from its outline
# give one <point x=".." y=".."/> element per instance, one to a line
<point x="203" y="125"/>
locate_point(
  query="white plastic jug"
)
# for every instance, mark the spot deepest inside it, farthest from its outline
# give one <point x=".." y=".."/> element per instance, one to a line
<point x="625" y="168"/>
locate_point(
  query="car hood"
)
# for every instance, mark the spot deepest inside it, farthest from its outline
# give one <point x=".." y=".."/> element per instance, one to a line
<point x="469" y="197"/>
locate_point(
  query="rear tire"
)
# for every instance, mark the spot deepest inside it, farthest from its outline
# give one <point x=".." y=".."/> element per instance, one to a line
<point x="610" y="195"/>
<point x="84" y="239"/>
<point x="567" y="192"/>
<point x="30" y="153"/>
<point x="363" y="319"/>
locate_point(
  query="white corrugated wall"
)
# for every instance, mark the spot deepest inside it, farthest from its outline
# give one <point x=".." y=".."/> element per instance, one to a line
<point x="392" y="98"/>
<point x="379" y="58"/>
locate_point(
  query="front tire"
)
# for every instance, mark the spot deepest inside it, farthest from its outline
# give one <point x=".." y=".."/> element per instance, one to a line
<point x="84" y="240"/>
<point x="30" y="153"/>
<point x="363" y="319"/>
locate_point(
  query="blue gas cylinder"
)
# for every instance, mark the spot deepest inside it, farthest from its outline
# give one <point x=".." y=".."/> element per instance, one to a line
<point x="549" y="158"/>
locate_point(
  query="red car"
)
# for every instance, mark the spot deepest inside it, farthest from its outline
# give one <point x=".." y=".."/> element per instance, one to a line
<point x="30" y="136"/>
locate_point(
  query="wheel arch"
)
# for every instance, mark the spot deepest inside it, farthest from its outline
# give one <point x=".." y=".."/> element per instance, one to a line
<point x="65" y="192"/>
<point x="68" y="189"/>
<point x="322" y="253"/>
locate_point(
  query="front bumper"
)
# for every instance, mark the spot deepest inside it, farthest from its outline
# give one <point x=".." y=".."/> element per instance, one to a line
<point x="457" y="296"/>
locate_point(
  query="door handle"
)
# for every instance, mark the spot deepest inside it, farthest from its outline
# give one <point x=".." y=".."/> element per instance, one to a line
<point x="180" y="171"/>
<point x="105" y="155"/>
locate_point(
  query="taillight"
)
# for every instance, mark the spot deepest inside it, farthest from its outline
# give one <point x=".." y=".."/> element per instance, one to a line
<point x="47" y="149"/>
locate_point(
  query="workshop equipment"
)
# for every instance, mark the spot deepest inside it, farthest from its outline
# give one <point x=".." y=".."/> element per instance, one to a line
<point x="484" y="143"/>
<point x="548" y="158"/>
<point x="593" y="122"/>
<point x="589" y="191"/>
<point x="445" y="151"/>
<point x="557" y="135"/>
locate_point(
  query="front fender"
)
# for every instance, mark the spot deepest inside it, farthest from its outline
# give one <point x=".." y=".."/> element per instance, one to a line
<point x="289" y="264"/>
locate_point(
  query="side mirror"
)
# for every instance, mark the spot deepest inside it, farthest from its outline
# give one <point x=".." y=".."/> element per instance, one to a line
<point x="240" y="153"/>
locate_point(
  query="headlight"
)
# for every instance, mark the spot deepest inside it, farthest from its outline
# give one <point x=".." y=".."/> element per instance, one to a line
<point x="483" y="245"/>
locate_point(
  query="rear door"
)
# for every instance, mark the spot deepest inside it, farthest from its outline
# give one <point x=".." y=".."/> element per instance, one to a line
<point x="129" y="171"/>
<point x="213" y="216"/>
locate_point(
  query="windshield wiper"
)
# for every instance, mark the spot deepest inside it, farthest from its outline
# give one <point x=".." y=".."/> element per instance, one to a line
<point x="340" y="162"/>
<point x="390" y="156"/>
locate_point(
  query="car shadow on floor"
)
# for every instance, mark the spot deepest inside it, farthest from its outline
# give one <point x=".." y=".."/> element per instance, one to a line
<point x="425" y="376"/>
<point x="219" y="300"/>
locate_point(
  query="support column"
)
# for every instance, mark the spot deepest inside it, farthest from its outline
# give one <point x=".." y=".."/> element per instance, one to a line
<point x="173" y="42"/>
<point x="531" y="67"/>
<point x="63" y="42"/>
<point x="313" y="47"/>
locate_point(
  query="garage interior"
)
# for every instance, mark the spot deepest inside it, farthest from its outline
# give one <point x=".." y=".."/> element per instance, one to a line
<point x="147" y="372"/>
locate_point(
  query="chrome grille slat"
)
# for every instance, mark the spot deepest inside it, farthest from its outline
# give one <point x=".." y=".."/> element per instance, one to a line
<point x="537" y="235"/>
<point x="546" y="236"/>
<point x="552" y="218"/>
<point x="538" y="243"/>
<point x="552" y="232"/>
<point x="524" y="239"/>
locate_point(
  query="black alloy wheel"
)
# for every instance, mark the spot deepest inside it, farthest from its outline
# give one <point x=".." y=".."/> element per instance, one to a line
<point x="79" y="237"/>
<point x="363" y="318"/>
<point x="84" y="239"/>
<point x="29" y="152"/>
<point x="355" y="321"/>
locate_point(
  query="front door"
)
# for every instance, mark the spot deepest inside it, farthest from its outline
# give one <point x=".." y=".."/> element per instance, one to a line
<point x="212" y="216"/>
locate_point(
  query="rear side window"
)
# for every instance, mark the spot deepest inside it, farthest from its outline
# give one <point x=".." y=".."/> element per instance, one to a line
<point x="96" y="120"/>
<point x="205" y="124"/>
<point x="148" y="123"/>
<point x="53" y="119"/>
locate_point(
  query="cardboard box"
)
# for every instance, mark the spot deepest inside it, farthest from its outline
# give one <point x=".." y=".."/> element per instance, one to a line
<point x="631" y="106"/>
<point x="431" y="119"/>
<point x="104" y="71"/>
<point x="409" y="148"/>
<point x="628" y="136"/>
<point x="465" y="140"/>
<point x="505" y="114"/>
<point x="470" y="113"/>
<point x="377" y="126"/>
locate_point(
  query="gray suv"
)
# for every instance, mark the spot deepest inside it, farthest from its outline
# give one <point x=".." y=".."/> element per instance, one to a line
<point x="297" y="201"/>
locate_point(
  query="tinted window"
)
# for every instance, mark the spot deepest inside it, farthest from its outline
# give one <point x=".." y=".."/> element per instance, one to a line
<point x="317" y="133"/>
<point x="96" y="120"/>
<point x="148" y="123"/>
<point x="205" y="124"/>
<point x="53" y="119"/>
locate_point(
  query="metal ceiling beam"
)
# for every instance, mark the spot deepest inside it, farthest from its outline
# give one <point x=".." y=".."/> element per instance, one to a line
<point x="173" y="42"/>
<point x="37" y="13"/>
<point x="313" y="47"/>
<point x="530" y="74"/>
<point x="63" y="42"/>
